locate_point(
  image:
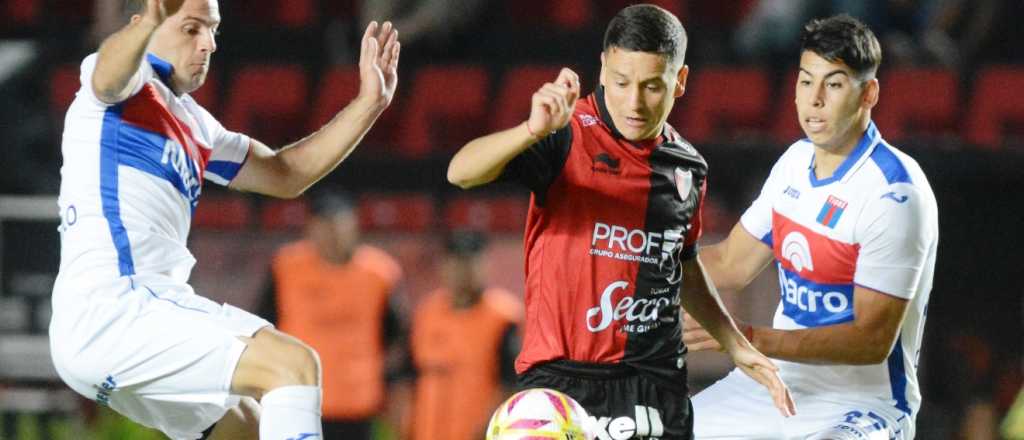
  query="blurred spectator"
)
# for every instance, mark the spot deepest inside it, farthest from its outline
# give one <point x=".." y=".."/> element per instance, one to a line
<point x="957" y="30"/>
<point x="337" y="295"/>
<point x="432" y="21"/>
<point x="464" y="342"/>
<point x="772" y="29"/>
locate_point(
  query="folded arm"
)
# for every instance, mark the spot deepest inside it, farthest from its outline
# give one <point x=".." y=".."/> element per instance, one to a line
<point x="120" y="55"/>
<point x="483" y="159"/>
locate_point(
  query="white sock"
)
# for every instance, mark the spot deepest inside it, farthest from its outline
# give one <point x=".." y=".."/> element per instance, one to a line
<point x="291" y="413"/>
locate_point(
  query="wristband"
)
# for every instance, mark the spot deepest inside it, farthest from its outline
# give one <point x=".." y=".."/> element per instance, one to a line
<point x="748" y="332"/>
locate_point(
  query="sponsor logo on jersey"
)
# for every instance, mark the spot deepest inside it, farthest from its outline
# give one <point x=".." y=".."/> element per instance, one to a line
<point x="174" y="157"/>
<point x="792" y="192"/>
<point x="104" y="389"/>
<point x="892" y="195"/>
<point x="621" y="243"/>
<point x="606" y="163"/>
<point x="831" y="211"/>
<point x="641" y="314"/>
<point x="797" y="251"/>
<point x="812" y="304"/>
<point x="646" y="423"/>
<point x="587" y="120"/>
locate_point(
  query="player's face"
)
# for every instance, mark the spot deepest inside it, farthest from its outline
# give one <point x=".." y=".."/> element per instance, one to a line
<point x="187" y="39"/>
<point x="831" y="103"/>
<point x="639" y="90"/>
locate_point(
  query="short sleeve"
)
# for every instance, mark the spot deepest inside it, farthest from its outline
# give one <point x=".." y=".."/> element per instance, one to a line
<point x="538" y="166"/>
<point x="696" y="225"/>
<point x="757" y="219"/>
<point x="897" y="232"/>
<point x="230" y="150"/>
<point x="88" y="67"/>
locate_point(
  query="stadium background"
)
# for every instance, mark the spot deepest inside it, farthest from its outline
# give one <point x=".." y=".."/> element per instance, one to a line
<point x="283" y="67"/>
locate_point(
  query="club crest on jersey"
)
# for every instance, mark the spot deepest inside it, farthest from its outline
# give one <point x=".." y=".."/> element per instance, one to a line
<point x="831" y="211"/>
<point x="684" y="183"/>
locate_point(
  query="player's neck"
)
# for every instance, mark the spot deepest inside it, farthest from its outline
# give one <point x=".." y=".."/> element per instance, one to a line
<point x="828" y="158"/>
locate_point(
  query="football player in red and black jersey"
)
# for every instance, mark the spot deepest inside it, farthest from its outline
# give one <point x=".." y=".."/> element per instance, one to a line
<point x="611" y="236"/>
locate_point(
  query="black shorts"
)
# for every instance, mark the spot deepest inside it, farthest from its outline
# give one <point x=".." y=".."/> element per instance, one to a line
<point x="624" y="403"/>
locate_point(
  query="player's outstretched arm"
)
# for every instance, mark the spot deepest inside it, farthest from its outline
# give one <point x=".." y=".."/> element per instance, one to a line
<point x="121" y="53"/>
<point x="731" y="265"/>
<point x="734" y="262"/>
<point x="290" y="170"/>
<point x="702" y="301"/>
<point x="483" y="159"/>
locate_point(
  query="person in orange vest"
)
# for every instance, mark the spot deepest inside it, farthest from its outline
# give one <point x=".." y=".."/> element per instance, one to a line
<point x="464" y="340"/>
<point x="337" y="294"/>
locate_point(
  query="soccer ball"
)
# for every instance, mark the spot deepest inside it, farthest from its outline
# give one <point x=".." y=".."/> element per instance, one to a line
<point x="540" y="413"/>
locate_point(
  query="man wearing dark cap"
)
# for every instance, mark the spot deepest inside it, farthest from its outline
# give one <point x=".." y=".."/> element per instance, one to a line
<point x="336" y="293"/>
<point x="464" y="342"/>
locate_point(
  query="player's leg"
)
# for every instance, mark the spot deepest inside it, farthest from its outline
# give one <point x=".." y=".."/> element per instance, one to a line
<point x="240" y="423"/>
<point x="736" y="407"/>
<point x="284" y="375"/>
<point x="866" y="424"/>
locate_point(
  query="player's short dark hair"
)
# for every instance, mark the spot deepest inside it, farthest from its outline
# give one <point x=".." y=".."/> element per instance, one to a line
<point x="133" y="7"/>
<point x="846" y="39"/>
<point x="647" y="28"/>
<point x="328" y="202"/>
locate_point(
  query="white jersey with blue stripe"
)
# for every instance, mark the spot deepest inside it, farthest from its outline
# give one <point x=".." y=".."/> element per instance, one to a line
<point x="874" y="224"/>
<point x="131" y="178"/>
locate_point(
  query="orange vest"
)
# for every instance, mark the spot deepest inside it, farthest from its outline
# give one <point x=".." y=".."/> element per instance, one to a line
<point x="339" y="311"/>
<point x="456" y="352"/>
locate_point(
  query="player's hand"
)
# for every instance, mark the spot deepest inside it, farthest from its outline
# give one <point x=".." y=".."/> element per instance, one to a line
<point x="762" y="370"/>
<point x="696" y="338"/>
<point x="158" y="10"/>
<point x="378" y="63"/>
<point x="553" y="104"/>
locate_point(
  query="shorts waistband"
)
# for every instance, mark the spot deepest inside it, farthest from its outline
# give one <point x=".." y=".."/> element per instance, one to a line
<point x="587" y="369"/>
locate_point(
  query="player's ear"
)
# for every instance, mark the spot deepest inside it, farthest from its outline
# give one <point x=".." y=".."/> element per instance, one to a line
<point x="601" y="76"/>
<point x="684" y="72"/>
<point x="869" y="97"/>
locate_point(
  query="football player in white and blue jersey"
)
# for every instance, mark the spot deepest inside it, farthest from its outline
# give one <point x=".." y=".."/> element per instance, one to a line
<point x="852" y="225"/>
<point x="127" y="330"/>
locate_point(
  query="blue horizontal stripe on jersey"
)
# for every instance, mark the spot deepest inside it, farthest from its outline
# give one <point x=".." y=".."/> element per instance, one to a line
<point x="812" y="304"/>
<point x="226" y="170"/>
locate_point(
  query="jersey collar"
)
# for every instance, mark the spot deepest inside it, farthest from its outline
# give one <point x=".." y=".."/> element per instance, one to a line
<point x="867" y="142"/>
<point x="162" y="68"/>
<point x="606" y="118"/>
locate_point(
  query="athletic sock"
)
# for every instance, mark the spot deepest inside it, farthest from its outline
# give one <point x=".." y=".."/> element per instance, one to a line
<point x="291" y="413"/>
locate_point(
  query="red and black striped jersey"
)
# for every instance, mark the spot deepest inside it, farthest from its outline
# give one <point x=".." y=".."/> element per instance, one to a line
<point x="609" y="224"/>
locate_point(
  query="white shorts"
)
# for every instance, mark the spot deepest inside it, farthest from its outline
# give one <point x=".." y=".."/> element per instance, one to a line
<point x="737" y="407"/>
<point x="152" y="350"/>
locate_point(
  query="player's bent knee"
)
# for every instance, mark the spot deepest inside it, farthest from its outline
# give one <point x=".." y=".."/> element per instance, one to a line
<point x="273" y="359"/>
<point x="848" y="431"/>
<point x="240" y="422"/>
